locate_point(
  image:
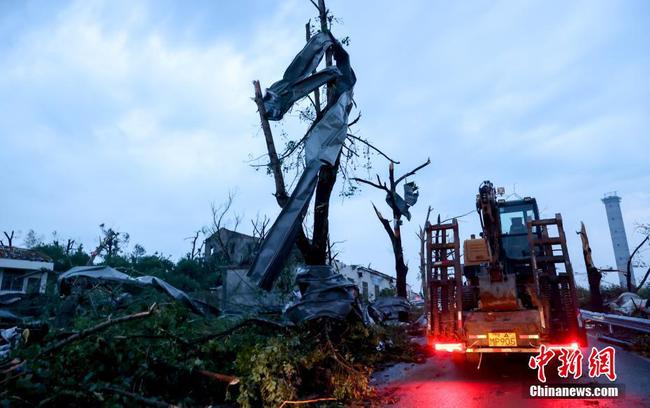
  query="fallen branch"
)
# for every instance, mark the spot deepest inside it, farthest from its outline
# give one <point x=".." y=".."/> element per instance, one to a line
<point x="136" y="397"/>
<point x="296" y="402"/>
<point x="230" y="379"/>
<point x="87" y="332"/>
<point x="227" y="378"/>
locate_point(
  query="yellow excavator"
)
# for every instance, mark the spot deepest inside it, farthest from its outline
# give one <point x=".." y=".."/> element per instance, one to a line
<point x="515" y="289"/>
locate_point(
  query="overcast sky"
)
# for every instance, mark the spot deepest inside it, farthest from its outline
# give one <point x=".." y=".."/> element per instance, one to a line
<point x="138" y="114"/>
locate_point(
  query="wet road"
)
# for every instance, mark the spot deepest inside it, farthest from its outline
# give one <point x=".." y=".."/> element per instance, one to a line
<point x="502" y="383"/>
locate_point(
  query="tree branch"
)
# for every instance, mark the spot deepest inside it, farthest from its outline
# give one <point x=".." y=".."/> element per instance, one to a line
<point x="370" y="183"/>
<point x="280" y="190"/>
<point x="629" y="265"/>
<point x="386" y="224"/>
<point x="643" y="280"/>
<point x="354" y="122"/>
<point x="10" y="238"/>
<point x="139" y="398"/>
<point x="370" y="145"/>
<point x="410" y="173"/>
<point x="104" y="325"/>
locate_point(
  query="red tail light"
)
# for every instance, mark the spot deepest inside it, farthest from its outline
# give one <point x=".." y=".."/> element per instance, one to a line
<point x="448" y="347"/>
<point x="573" y="345"/>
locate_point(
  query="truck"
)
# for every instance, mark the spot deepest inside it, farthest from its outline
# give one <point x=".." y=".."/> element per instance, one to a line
<point x="515" y="289"/>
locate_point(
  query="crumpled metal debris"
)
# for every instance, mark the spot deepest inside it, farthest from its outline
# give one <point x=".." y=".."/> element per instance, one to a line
<point x="411" y="193"/>
<point x="402" y="205"/>
<point x="11" y="337"/>
<point x="628" y="303"/>
<point x="108" y="274"/>
<point x="325" y="293"/>
<point x="322" y="146"/>
<point x="300" y="79"/>
<point x="388" y="308"/>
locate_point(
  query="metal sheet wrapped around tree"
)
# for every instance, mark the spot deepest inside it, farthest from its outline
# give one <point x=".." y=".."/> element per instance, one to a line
<point x="323" y="143"/>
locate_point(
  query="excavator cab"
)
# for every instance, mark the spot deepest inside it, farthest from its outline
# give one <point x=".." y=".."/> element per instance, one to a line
<point x="514" y="215"/>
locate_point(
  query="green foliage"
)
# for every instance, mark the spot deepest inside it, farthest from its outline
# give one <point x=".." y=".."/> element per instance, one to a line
<point x="271" y="379"/>
<point x="388" y="292"/>
<point x="159" y="357"/>
<point x="63" y="259"/>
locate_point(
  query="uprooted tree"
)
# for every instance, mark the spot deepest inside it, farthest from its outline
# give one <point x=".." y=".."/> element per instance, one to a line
<point x="400" y="207"/>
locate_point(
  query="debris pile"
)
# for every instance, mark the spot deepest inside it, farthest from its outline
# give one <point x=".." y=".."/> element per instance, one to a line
<point x="630" y="304"/>
<point x="150" y="351"/>
<point x="115" y="339"/>
<point x="82" y="277"/>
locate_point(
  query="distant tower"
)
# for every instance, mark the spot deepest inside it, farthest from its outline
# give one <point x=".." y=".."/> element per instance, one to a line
<point x="617" y="231"/>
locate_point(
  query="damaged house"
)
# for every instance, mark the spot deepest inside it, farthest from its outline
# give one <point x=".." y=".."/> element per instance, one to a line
<point x="370" y="281"/>
<point x="23" y="270"/>
<point x="234" y="253"/>
<point x="231" y="247"/>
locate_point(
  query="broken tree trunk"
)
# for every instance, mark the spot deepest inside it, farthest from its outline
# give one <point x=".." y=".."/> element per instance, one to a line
<point x="628" y="272"/>
<point x="314" y="252"/>
<point x="394" y="233"/>
<point x="275" y="165"/>
<point x="274" y="162"/>
<point x="593" y="274"/>
<point x="326" y="176"/>
<point x="423" y="264"/>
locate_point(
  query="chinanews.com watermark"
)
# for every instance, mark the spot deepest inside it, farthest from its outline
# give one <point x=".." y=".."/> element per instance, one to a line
<point x="575" y="391"/>
<point x="600" y="363"/>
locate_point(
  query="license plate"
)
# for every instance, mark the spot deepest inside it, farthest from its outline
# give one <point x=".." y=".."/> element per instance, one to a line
<point x="502" y="339"/>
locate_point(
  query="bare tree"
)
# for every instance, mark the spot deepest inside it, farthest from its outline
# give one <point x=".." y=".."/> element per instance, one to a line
<point x="421" y="234"/>
<point x="10" y="239"/>
<point x="98" y="250"/>
<point x="394" y="233"/>
<point x="220" y="222"/>
<point x="195" y="252"/>
<point x="644" y="229"/>
<point x="111" y="242"/>
<point x="32" y="239"/>
<point x="69" y="246"/>
<point x="332" y="254"/>
<point x="260" y="226"/>
<point x="315" y="250"/>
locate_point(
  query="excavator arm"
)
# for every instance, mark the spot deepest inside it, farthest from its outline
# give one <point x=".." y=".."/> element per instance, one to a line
<point x="488" y="211"/>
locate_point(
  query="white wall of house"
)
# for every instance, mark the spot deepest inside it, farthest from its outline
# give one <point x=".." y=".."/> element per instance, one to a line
<point x="28" y="270"/>
<point x="369" y="281"/>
